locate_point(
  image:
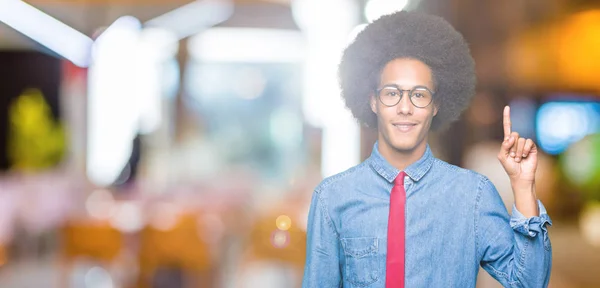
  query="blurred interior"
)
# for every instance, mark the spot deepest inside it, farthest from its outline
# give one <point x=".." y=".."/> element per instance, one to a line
<point x="149" y="143"/>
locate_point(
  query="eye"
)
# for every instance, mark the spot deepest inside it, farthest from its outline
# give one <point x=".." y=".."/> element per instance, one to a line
<point x="421" y="93"/>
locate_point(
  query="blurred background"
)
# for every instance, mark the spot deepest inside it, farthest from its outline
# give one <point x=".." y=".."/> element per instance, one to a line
<point x="149" y="143"/>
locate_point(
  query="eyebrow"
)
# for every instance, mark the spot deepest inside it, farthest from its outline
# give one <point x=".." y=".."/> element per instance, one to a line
<point x="398" y="87"/>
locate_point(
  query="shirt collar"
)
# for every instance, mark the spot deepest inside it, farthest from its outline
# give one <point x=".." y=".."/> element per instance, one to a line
<point x="415" y="171"/>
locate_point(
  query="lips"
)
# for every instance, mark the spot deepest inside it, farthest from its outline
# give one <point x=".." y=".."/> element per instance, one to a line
<point x="404" y="126"/>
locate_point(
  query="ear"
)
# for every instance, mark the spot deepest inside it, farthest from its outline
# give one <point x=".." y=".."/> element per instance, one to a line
<point x="435" y="110"/>
<point x="373" y="103"/>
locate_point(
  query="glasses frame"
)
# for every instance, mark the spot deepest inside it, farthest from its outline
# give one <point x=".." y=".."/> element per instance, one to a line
<point x="410" y="92"/>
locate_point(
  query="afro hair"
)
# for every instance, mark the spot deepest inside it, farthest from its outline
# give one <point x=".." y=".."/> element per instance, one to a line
<point x="427" y="38"/>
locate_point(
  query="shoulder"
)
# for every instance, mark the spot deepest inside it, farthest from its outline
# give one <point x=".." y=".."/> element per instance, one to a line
<point x="463" y="176"/>
<point x="457" y="171"/>
<point x="476" y="188"/>
<point x="331" y="185"/>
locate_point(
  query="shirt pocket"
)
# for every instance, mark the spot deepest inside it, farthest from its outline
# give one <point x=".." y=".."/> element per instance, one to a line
<point x="362" y="267"/>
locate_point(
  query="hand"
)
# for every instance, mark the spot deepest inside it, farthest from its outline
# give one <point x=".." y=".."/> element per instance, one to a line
<point x="517" y="155"/>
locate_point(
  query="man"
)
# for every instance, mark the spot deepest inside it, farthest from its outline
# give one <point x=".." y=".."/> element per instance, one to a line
<point x="404" y="218"/>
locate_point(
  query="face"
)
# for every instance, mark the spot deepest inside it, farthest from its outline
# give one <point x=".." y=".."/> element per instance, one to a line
<point x="404" y="127"/>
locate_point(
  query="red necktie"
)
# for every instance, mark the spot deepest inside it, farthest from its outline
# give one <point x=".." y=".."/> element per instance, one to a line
<point x="394" y="273"/>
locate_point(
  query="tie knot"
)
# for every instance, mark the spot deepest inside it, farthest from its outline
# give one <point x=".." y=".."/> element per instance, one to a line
<point x="400" y="179"/>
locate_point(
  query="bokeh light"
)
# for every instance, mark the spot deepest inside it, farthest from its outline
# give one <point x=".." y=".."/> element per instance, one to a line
<point x="280" y="239"/>
<point x="165" y="215"/>
<point x="562" y="123"/>
<point x="100" y="204"/>
<point x="128" y="217"/>
<point x="98" y="277"/>
<point x="581" y="165"/>
<point x="283" y="222"/>
<point x="252" y="83"/>
<point x="590" y="223"/>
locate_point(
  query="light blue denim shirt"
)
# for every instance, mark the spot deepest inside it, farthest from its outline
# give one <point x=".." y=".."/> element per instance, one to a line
<point x="455" y="222"/>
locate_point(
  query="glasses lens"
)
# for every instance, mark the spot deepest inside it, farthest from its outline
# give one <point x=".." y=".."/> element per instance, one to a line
<point x="389" y="96"/>
<point x="421" y="97"/>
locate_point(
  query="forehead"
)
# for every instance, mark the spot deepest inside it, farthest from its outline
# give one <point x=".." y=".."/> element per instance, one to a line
<point x="406" y="72"/>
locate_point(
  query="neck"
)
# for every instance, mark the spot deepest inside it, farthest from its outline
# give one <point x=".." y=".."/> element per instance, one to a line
<point x="401" y="159"/>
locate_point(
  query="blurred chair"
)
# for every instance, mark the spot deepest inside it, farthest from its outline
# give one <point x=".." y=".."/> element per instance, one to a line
<point x="176" y="249"/>
<point x="97" y="241"/>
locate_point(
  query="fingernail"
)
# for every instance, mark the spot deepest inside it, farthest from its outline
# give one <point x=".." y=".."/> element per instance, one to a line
<point x="512" y="154"/>
<point x="517" y="159"/>
<point x="511" y="138"/>
<point x="524" y="155"/>
<point x="505" y="138"/>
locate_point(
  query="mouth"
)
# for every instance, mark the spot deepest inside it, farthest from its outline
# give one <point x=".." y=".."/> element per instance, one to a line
<point x="404" y="126"/>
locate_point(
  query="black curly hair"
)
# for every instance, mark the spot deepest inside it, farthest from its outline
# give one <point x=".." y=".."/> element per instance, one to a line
<point x="414" y="35"/>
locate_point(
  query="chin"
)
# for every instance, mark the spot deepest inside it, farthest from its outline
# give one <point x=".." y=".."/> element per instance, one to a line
<point x="404" y="147"/>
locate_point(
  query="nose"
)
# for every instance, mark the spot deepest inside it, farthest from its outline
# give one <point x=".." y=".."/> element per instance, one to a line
<point x="405" y="107"/>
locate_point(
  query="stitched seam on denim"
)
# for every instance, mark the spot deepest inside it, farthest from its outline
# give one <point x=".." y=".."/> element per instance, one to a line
<point x="332" y="179"/>
<point x="427" y="166"/>
<point x="546" y="240"/>
<point x="524" y="254"/>
<point x="371" y="251"/>
<point x="381" y="171"/>
<point x="323" y="209"/>
<point x="522" y="262"/>
<point x="360" y="253"/>
<point x="452" y="168"/>
<point x="476" y="219"/>
<point x="499" y="273"/>
<point x="545" y="221"/>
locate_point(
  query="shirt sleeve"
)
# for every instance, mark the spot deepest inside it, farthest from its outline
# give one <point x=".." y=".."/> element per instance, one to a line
<point x="322" y="267"/>
<point x="516" y="251"/>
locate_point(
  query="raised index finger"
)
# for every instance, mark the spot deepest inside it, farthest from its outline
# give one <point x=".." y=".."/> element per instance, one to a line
<point x="506" y="122"/>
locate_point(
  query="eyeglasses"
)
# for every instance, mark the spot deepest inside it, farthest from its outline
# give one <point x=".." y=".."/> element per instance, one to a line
<point x="419" y="96"/>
